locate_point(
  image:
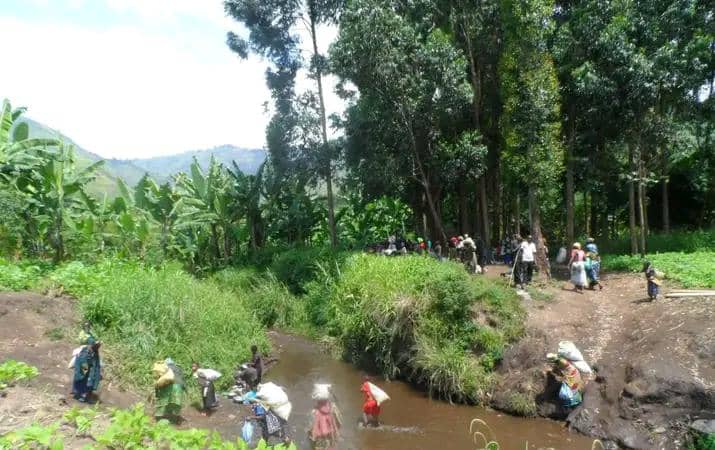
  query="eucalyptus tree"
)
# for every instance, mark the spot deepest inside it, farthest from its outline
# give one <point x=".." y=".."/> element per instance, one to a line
<point x="274" y="34"/>
<point x="411" y="81"/>
<point x="531" y="117"/>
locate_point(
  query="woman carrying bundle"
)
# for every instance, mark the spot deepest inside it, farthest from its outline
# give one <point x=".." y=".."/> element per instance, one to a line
<point x="577" y="267"/>
<point x="324" y="431"/>
<point x="87" y="371"/>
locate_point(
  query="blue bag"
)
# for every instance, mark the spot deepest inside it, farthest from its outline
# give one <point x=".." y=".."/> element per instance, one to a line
<point x="247" y="432"/>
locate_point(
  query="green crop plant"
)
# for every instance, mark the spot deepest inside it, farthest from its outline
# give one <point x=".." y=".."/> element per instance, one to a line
<point x="127" y="429"/>
<point x="12" y="371"/>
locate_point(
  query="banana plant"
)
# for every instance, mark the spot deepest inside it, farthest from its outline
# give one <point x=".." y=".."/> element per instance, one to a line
<point x="246" y="202"/>
<point x="206" y="200"/>
<point x="17" y="151"/>
<point x="55" y="191"/>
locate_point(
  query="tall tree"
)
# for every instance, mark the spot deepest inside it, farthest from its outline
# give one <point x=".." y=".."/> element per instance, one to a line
<point x="531" y="120"/>
<point x="273" y="27"/>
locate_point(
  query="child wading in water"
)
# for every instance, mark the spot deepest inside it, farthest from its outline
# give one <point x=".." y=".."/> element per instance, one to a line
<point x="651" y="274"/>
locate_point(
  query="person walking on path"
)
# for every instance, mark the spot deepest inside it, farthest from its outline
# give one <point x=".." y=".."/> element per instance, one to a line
<point x="593" y="264"/>
<point x="87" y="371"/>
<point x="577" y="268"/>
<point x="205" y="378"/>
<point x="528" y="253"/>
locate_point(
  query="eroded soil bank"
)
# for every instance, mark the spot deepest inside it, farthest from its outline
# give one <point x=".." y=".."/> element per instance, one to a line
<point x="654" y="361"/>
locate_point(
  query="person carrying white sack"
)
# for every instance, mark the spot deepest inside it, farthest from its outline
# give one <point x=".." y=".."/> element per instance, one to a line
<point x="206" y="378"/>
<point x="568" y="350"/>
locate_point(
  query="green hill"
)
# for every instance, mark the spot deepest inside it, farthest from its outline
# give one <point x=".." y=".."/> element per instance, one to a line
<point x="160" y="168"/>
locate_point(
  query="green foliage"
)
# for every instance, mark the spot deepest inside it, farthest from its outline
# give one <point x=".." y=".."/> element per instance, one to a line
<point x="298" y="266"/>
<point x="417" y="318"/>
<point x="372" y="222"/>
<point x="33" y="436"/>
<point x="14" y="277"/>
<point x="127" y="429"/>
<point x="703" y="442"/>
<point x="12" y="371"/>
<point x="150" y="314"/>
<point x="692" y="270"/>
<point x="678" y="241"/>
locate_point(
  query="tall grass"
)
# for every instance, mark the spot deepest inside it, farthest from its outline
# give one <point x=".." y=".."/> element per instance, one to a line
<point x="147" y="314"/>
<point x="692" y="270"/>
<point x="419" y="319"/>
<point x="677" y="241"/>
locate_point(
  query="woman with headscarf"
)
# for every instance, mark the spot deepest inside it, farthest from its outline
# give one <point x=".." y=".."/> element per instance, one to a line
<point x="577" y="268"/>
<point x="87" y="371"/>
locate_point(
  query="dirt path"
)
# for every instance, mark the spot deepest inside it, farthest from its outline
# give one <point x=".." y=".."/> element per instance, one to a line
<point x="654" y="361"/>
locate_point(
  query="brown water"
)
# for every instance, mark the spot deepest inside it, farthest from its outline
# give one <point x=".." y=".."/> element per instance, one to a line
<point x="411" y="421"/>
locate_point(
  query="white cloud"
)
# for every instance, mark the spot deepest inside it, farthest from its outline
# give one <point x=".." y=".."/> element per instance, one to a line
<point x="122" y="92"/>
<point x="164" y="83"/>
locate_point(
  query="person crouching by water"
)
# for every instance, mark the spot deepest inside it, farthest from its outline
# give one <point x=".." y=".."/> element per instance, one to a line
<point x="577" y="267"/>
<point x="324" y="431"/>
<point x="652" y="277"/>
<point x="370" y="407"/>
<point x="571" y="391"/>
<point x="87" y="371"/>
<point x="208" y="392"/>
<point x="168" y="393"/>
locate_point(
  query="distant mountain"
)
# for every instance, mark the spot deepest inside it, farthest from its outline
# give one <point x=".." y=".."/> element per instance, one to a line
<point x="160" y="168"/>
<point x="248" y="160"/>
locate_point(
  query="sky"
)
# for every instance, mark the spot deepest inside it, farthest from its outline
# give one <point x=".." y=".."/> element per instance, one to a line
<point x="136" y="78"/>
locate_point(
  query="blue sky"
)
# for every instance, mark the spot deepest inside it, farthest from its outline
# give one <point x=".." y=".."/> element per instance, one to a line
<point x="134" y="78"/>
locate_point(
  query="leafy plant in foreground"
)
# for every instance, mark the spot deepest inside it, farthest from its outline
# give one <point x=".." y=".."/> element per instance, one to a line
<point x="12" y="371"/>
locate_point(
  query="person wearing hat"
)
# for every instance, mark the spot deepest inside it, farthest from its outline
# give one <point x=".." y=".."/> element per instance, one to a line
<point x="593" y="264"/>
<point x="577" y="267"/>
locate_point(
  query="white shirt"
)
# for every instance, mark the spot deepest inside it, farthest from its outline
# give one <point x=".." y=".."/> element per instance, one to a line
<point x="527" y="251"/>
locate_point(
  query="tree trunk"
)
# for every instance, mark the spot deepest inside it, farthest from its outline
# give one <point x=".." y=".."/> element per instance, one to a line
<point x="226" y="244"/>
<point x="498" y="214"/>
<point x="324" y="131"/>
<point x="570" y="216"/>
<point x="641" y="206"/>
<point x="484" y="207"/>
<point x="214" y="238"/>
<point x="517" y="212"/>
<point x="536" y="233"/>
<point x="632" y="203"/>
<point x="666" y="205"/>
<point x="463" y="214"/>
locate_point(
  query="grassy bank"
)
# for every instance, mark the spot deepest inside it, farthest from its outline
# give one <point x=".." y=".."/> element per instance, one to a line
<point x="418" y="319"/>
<point x="144" y="314"/>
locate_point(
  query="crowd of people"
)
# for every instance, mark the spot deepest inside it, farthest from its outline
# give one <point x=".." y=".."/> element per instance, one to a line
<point x="269" y="405"/>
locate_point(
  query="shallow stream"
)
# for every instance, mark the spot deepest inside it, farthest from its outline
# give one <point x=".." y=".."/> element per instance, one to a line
<point x="411" y="421"/>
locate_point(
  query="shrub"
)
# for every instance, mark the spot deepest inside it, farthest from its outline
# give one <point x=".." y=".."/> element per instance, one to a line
<point x="18" y="277"/>
<point x="296" y="267"/>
